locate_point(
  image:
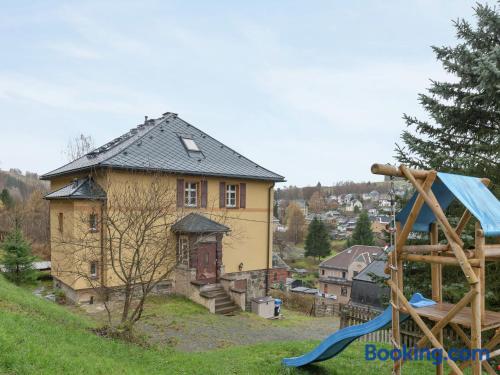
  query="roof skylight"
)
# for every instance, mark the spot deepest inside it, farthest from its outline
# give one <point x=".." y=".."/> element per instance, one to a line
<point x="190" y="144"/>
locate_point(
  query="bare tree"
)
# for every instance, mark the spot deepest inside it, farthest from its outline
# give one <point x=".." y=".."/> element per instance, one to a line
<point x="129" y="237"/>
<point x="295" y="221"/>
<point x="78" y="146"/>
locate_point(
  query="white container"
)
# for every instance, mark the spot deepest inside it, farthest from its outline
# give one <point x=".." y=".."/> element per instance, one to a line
<point x="263" y="306"/>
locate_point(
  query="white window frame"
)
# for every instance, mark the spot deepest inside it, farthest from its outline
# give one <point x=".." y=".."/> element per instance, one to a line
<point x="190" y="199"/>
<point x="231" y="193"/>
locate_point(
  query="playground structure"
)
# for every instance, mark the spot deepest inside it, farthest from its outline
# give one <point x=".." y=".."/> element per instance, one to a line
<point x="425" y="213"/>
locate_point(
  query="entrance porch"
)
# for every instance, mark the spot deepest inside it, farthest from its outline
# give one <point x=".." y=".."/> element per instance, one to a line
<point x="199" y="263"/>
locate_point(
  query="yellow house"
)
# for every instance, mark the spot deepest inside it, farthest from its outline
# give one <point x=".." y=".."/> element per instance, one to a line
<point x="223" y="202"/>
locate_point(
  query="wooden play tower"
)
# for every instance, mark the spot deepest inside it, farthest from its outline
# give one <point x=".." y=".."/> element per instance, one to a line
<point x="434" y="192"/>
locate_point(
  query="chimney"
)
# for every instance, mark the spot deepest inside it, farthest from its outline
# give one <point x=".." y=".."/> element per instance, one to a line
<point x="145" y="119"/>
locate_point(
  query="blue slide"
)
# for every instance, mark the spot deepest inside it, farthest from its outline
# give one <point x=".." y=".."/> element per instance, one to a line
<point x="337" y="342"/>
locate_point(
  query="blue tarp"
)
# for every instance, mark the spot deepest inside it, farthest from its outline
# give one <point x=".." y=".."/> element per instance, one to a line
<point x="470" y="191"/>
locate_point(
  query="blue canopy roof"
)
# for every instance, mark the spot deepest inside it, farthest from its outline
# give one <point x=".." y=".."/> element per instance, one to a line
<point x="470" y="191"/>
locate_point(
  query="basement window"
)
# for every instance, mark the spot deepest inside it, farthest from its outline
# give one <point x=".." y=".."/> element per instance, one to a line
<point x="190" y="144"/>
<point x="93" y="222"/>
<point x="93" y="270"/>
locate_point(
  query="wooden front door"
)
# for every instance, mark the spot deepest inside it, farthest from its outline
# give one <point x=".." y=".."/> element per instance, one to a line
<point x="206" y="269"/>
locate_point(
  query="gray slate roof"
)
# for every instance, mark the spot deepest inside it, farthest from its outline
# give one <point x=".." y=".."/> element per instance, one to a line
<point x="84" y="188"/>
<point x="376" y="267"/>
<point x="196" y="223"/>
<point x="342" y="260"/>
<point x="156" y="146"/>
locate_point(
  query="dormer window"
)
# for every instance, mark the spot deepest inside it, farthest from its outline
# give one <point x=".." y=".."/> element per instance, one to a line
<point x="190" y="144"/>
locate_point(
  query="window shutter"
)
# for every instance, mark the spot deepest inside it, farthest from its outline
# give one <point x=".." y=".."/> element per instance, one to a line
<point x="180" y="192"/>
<point x="243" y="195"/>
<point x="222" y="195"/>
<point x="204" y="188"/>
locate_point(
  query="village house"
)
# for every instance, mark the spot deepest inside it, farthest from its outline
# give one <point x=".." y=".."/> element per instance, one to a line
<point x="209" y="180"/>
<point x="366" y="290"/>
<point x="354" y="205"/>
<point x="336" y="273"/>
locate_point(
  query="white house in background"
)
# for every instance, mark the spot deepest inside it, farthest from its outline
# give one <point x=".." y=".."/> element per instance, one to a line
<point x="374" y="194"/>
<point x="351" y="207"/>
<point x="384" y="203"/>
<point x="366" y="197"/>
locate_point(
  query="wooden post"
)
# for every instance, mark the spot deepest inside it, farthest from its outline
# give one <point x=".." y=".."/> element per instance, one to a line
<point x="396" y="338"/>
<point x="480" y="254"/>
<point x="476" y="303"/>
<point x="437" y="285"/>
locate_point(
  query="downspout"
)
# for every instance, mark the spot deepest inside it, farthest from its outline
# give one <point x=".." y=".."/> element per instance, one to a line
<point x="269" y="244"/>
<point x="102" y="247"/>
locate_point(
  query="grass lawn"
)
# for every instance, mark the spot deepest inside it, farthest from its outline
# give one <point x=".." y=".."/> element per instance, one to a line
<point x="37" y="336"/>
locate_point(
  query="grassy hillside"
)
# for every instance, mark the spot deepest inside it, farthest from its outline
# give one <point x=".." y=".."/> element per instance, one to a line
<point x="40" y="337"/>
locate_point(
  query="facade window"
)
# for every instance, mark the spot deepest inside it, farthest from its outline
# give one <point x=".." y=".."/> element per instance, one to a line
<point x="325" y="288"/>
<point x="191" y="194"/>
<point x="93" y="222"/>
<point x="322" y="272"/>
<point x="60" y="221"/>
<point x="183" y="251"/>
<point x="343" y="274"/>
<point x="231" y="196"/>
<point x="93" y="269"/>
<point x="275" y="276"/>
<point x="343" y="291"/>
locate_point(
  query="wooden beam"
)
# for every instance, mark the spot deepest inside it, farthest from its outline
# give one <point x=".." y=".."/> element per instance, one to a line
<point x="424" y="248"/>
<point x="467" y="342"/>
<point x="435" y="342"/>
<point x="437" y="287"/>
<point x="450" y="315"/>
<point x="434" y="259"/>
<point x="491" y="251"/>
<point x="481" y="269"/>
<point x="396" y="337"/>
<point x="415" y="210"/>
<point x="389" y="170"/>
<point x="453" y="238"/>
<point x="438" y="327"/>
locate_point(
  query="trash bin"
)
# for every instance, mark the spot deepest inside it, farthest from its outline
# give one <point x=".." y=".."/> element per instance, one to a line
<point x="263" y="306"/>
<point x="277" y="306"/>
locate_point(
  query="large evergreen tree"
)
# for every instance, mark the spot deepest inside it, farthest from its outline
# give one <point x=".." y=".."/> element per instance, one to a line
<point x="17" y="259"/>
<point x="462" y="133"/>
<point x="362" y="234"/>
<point x="317" y="241"/>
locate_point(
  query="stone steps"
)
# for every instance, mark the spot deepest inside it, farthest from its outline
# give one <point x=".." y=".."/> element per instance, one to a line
<point x="223" y="303"/>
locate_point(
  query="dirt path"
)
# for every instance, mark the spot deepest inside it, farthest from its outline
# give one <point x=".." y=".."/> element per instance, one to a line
<point x="200" y="332"/>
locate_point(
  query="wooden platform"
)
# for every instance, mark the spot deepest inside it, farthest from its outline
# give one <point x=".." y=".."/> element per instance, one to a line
<point x="463" y="318"/>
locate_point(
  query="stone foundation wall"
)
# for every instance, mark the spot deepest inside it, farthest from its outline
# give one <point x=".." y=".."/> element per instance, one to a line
<point x="91" y="295"/>
<point x="253" y="282"/>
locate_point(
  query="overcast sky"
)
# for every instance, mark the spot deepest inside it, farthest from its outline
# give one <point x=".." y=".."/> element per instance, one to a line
<point x="313" y="90"/>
